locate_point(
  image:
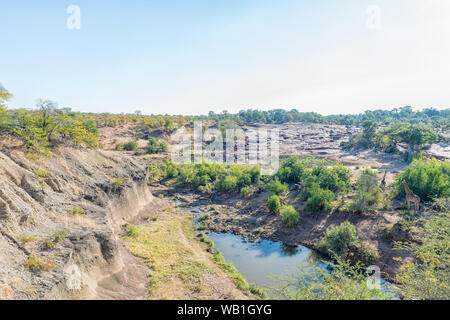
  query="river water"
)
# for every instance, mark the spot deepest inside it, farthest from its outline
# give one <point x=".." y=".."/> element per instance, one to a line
<point x="263" y="262"/>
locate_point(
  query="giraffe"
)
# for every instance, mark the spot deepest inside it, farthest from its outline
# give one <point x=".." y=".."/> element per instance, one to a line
<point x="411" y="197"/>
<point x="383" y="181"/>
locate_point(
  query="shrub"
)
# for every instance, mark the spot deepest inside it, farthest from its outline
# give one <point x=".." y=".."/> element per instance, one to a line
<point x="36" y="262"/>
<point x="255" y="173"/>
<point x="368" y="194"/>
<point x="118" y="182"/>
<point x="273" y="203"/>
<point x="244" y="180"/>
<point x="227" y="183"/>
<point x="290" y="216"/>
<point x="27" y="239"/>
<point x="207" y="188"/>
<point x="155" y="146"/>
<point x="76" y="211"/>
<point x="426" y="178"/>
<point x="245" y="191"/>
<point x="320" y="199"/>
<point x="131" y="145"/>
<point x="155" y="171"/>
<point x="60" y="235"/>
<point x="291" y="170"/>
<point x="207" y="176"/>
<point x="170" y="169"/>
<point x="339" y="239"/>
<point x="132" y="231"/>
<point x="277" y="187"/>
<point x="336" y="179"/>
<point x="42" y="176"/>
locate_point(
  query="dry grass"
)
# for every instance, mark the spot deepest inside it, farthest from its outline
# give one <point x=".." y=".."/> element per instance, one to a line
<point x="180" y="267"/>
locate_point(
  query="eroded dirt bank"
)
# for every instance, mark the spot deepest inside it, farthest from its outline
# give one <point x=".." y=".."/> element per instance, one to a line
<point x="41" y="234"/>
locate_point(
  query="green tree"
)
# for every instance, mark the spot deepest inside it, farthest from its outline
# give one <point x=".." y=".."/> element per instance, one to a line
<point x="414" y="135"/>
<point x="274" y="203"/>
<point x="340" y="239"/>
<point x="131" y="145"/>
<point x="155" y="146"/>
<point x="368" y="194"/>
<point x="289" y="216"/>
<point x="426" y="178"/>
<point x="320" y="199"/>
<point x="368" y="134"/>
<point x="5" y="118"/>
<point x="277" y="187"/>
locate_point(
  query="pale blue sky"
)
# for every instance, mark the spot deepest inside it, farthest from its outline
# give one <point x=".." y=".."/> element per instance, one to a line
<point x="189" y="57"/>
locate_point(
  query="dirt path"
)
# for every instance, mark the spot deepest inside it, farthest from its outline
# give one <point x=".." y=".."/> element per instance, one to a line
<point x="130" y="283"/>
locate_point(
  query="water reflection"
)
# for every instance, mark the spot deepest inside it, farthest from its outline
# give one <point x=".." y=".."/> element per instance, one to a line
<point x="257" y="262"/>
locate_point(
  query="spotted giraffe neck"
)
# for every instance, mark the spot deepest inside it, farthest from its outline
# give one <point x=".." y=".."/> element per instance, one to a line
<point x="407" y="189"/>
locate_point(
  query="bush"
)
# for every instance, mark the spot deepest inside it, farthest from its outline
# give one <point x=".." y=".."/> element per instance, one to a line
<point x="118" y="182"/>
<point x="208" y="176"/>
<point x="277" y="187"/>
<point x="37" y="262"/>
<point x="207" y="188"/>
<point x="244" y="180"/>
<point x="245" y="192"/>
<point x="227" y="183"/>
<point x="155" y="171"/>
<point x="255" y="173"/>
<point x="273" y="203"/>
<point x="155" y="146"/>
<point x="291" y="170"/>
<point x="336" y="179"/>
<point x="27" y="239"/>
<point x="170" y="169"/>
<point x="132" y="231"/>
<point x="320" y="199"/>
<point x="290" y="216"/>
<point x="76" y="211"/>
<point x="368" y="194"/>
<point x="340" y="239"/>
<point x="60" y="235"/>
<point x="426" y="178"/>
<point x="131" y="145"/>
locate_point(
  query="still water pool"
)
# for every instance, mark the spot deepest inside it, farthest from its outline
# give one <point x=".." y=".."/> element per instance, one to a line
<point x="258" y="262"/>
<point x="261" y="262"/>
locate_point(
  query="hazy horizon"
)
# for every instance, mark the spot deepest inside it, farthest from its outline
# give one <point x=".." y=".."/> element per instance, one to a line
<point x="174" y="57"/>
